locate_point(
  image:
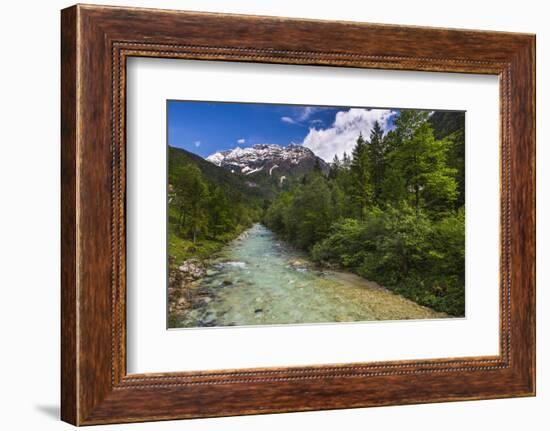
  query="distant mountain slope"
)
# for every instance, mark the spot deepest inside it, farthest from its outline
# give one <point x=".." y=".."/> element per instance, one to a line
<point x="271" y="160"/>
<point x="445" y="123"/>
<point x="212" y="173"/>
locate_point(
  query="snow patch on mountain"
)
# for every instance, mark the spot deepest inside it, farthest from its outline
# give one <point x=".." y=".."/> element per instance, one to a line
<point x="292" y="159"/>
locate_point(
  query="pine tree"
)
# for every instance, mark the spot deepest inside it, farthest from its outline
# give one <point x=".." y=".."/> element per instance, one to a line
<point x="334" y="167"/>
<point x="361" y="187"/>
<point x="346" y="161"/>
<point x="358" y="150"/>
<point x="377" y="152"/>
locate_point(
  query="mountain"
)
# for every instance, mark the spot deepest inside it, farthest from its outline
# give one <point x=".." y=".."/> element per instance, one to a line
<point x="178" y="157"/>
<point x="269" y="160"/>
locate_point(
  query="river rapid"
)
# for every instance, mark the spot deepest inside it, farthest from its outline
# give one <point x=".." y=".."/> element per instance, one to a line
<point x="259" y="280"/>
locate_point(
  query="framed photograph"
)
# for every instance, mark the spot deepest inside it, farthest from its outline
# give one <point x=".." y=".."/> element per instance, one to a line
<point x="264" y="215"/>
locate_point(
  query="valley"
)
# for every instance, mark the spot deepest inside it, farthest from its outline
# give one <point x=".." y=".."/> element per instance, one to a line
<point x="271" y="234"/>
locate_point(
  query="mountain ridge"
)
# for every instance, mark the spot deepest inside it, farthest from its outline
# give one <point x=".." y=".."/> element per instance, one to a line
<point x="269" y="159"/>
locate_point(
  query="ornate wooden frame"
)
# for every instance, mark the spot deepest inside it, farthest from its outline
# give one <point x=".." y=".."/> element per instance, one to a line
<point x="95" y="42"/>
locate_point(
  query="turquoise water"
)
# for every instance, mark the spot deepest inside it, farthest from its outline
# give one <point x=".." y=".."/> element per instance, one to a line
<point x="258" y="280"/>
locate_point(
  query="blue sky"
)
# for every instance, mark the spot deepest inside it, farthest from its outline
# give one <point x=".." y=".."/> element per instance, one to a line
<point x="207" y="127"/>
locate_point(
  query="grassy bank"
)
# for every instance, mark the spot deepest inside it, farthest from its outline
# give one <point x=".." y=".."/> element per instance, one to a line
<point x="182" y="249"/>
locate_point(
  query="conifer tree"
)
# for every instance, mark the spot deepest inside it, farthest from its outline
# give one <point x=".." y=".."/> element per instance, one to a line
<point x="334" y="167"/>
<point x="361" y="186"/>
<point x="377" y="152"/>
<point x="346" y="161"/>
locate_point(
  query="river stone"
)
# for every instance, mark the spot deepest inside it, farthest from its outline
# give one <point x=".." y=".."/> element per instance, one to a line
<point x="196" y="305"/>
<point x="192" y="268"/>
<point x="203" y="291"/>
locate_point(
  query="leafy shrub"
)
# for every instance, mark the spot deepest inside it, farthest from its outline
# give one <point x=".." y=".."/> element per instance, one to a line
<point x="402" y="249"/>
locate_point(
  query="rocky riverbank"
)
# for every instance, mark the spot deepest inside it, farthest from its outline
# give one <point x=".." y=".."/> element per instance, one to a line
<point x="182" y="292"/>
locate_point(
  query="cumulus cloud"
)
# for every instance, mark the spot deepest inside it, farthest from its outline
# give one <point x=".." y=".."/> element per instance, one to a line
<point x="341" y="137"/>
<point x="288" y="120"/>
<point x="241" y="141"/>
<point x="197" y="144"/>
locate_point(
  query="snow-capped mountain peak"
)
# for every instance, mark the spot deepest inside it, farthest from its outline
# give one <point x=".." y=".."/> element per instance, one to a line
<point x="271" y="159"/>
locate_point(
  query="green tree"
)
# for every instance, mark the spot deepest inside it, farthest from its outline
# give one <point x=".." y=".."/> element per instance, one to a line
<point x="421" y="160"/>
<point x="360" y="168"/>
<point x="276" y="216"/>
<point x="310" y="214"/>
<point x="337" y="201"/>
<point x="342" y="184"/>
<point x="334" y="167"/>
<point x="191" y="200"/>
<point x="346" y="161"/>
<point x="221" y="216"/>
<point x="393" y="188"/>
<point x="377" y="152"/>
<point x="407" y="122"/>
<point x="455" y="159"/>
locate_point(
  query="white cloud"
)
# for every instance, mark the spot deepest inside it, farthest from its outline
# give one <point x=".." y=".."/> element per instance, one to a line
<point x="197" y="144"/>
<point x="288" y="120"/>
<point x="301" y="115"/>
<point x="241" y="141"/>
<point x="341" y="137"/>
<point x="307" y="112"/>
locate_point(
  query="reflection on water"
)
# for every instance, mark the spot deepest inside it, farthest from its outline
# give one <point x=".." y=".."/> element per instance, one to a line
<point x="257" y="280"/>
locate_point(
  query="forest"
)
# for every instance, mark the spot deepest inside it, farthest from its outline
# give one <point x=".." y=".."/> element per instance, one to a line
<point x="392" y="211"/>
<point x="207" y="206"/>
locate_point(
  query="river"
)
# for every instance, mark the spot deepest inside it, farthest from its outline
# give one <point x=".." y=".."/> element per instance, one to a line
<point x="258" y="280"/>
